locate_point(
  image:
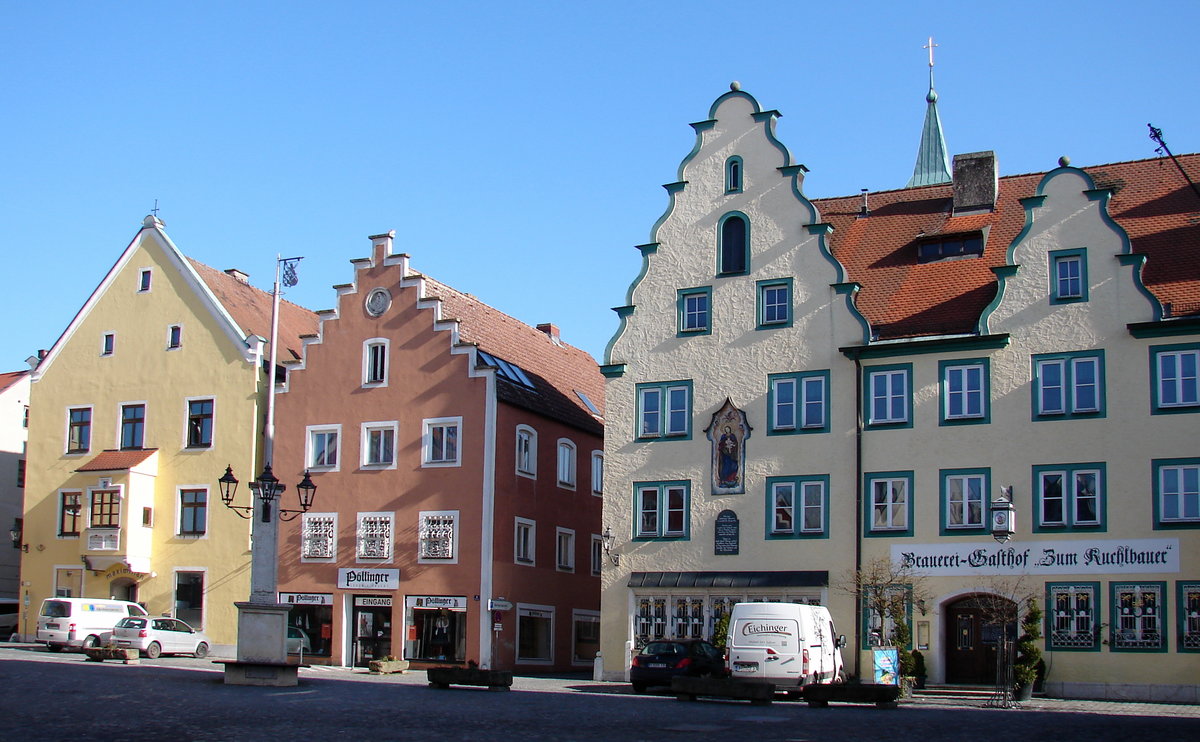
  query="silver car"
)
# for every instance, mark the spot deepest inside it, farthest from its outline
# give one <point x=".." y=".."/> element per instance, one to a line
<point x="157" y="636"/>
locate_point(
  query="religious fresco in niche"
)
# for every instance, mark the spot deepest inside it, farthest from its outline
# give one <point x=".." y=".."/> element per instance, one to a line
<point x="728" y="433"/>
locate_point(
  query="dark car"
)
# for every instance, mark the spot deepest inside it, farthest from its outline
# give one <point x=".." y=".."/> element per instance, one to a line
<point x="659" y="661"/>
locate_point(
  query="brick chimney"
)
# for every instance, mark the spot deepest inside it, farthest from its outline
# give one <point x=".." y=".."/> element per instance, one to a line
<point x="976" y="182"/>
<point x="551" y="331"/>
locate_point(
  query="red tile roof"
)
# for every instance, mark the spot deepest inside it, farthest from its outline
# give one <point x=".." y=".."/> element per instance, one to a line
<point x="903" y="298"/>
<point x="251" y="309"/>
<point x="10" y="378"/>
<point x="557" y="370"/>
<point x="118" y="460"/>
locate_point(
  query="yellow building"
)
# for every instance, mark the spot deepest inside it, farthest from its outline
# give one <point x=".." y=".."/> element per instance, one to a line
<point x="157" y="384"/>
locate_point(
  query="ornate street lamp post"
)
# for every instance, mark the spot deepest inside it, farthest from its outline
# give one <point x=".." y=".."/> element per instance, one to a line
<point x="262" y="621"/>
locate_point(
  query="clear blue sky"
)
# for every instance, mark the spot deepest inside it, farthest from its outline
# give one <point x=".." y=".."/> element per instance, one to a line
<point x="517" y="148"/>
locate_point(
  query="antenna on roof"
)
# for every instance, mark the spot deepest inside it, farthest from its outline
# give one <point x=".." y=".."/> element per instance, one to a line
<point x="1156" y="135"/>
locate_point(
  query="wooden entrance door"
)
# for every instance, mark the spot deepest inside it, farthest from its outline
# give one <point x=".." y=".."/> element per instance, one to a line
<point x="971" y="640"/>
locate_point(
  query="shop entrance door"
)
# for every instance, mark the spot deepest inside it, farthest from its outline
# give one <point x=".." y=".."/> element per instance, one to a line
<point x="972" y="639"/>
<point x="372" y="622"/>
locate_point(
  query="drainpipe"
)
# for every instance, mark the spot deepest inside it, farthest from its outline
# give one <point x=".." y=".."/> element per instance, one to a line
<point x="858" y="511"/>
<point x="488" y="518"/>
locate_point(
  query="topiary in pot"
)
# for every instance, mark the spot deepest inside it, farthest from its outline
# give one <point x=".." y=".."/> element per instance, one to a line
<point x="1029" y="654"/>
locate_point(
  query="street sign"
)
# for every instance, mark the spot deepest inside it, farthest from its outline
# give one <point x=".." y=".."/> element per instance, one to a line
<point x="499" y="605"/>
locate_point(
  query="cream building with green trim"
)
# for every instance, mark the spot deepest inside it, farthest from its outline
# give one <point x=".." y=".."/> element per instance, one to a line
<point x="157" y="384"/>
<point x="800" y="386"/>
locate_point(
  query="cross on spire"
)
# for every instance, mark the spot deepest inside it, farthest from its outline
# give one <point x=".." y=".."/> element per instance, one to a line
<point x="930" y="46"/>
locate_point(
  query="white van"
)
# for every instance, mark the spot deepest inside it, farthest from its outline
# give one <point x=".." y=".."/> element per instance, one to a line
<point x="788" y="644"/>
<point x="81" y="622"/>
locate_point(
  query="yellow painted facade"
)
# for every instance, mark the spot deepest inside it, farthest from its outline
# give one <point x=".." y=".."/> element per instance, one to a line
<point x="173" y="562"/>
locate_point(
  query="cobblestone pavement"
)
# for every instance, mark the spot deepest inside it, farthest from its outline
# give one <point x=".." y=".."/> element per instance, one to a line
<point x="185" y="699"/>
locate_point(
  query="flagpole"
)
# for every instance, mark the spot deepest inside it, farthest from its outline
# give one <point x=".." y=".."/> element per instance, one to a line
<point x="281" y="264"/>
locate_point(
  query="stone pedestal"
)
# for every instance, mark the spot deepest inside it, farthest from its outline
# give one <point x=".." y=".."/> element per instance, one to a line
<point x="262" y="647"/>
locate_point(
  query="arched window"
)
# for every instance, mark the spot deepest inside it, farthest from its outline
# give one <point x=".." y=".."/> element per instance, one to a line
<point x="733" y="175"/>
<point x="735" y="242"/>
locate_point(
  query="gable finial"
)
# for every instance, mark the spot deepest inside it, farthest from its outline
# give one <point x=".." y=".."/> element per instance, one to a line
<point x="154" y="211"/>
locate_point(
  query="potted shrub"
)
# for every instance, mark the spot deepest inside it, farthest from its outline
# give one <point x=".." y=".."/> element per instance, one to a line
<point x="1029" y="654"/>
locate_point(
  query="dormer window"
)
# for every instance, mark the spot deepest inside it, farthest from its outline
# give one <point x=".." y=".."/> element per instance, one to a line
<point x="942" y="247"/>
<point x="733" y="175"/>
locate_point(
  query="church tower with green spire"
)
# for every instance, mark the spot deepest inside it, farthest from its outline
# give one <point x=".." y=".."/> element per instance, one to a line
<point x="933" y="161"/>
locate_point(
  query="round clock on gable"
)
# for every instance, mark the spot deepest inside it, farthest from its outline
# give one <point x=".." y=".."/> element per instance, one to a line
<point x="378" y="302"/>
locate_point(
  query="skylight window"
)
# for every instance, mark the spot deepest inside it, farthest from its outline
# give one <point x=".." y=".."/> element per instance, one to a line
<point x="587" y="402"/>
<point x="510" y="371"/>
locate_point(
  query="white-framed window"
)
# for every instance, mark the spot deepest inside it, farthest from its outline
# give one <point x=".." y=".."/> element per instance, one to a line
<point x="1069" y="384"/>
<point x="108" y="343"/>
<point x="191" y="516"/>
<point x="799" y="402"/>
<point x="174" y="337"/>
<point x="145" y="276"/>
<point x="798" y="506"/>
<point x="964" y="391"/>
<point x="440" y="443"/>
<point x="566" y="463"/>
<point x="966" y="500"/>
<point x="524" y="541"/>
<point x="1069" y="497"/>
<point x="597" y="473"/>
<point x="1070" y="276"/>
<point x="535" y="634"/>
<point x="199" y="425"/>
<point x="321" y="447"/>
<point x="437" y="537"/>
<point x="189" y="595"/>
<point x="374" y="537"/>
<point x="526" y="451"/>
<point x="79" y="429"/>
<point x="1176" y="370"/>
<point x="375" y="362"/>
<point x="890" y="395"/>
<point x="665" y="410"/>
<point x="379" y="444"/>
<point x="662" y="509"/>
<point x="564" y="550"/>
<point x="891" y="504"/>
<point x="1138" y="620"/>
<point x="1177" y="493"/>
<point x="597" y="553"/>
<point x="318" y="537"/>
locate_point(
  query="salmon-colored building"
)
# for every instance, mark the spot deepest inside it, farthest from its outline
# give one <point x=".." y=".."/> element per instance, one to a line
<point x="458" y="456"/>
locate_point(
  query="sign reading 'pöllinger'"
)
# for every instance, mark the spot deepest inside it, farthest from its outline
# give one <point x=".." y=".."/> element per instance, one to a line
<point x="1086" y="556"/>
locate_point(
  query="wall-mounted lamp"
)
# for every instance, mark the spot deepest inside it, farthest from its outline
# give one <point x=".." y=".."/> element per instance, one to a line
<point x="921" y="606"/>
<point x="606" y="540"/>
<point x="1003" y="515"/>
<point x="17" y="534"/>
<point x="267" y="487"/>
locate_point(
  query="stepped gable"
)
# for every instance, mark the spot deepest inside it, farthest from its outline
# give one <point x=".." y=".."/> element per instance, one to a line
<point x="250" y="308"/>
<point x="902" y="298"/>
<point x="556" y="369"/>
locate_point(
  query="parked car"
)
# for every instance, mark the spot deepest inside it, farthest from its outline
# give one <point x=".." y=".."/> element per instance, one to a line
<point x="297" y="641"/>
<point x="659" y="661"/>
<point x="81" y="622"/>
<point x="8" y="618"/>
<point x="156" y="636"/>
